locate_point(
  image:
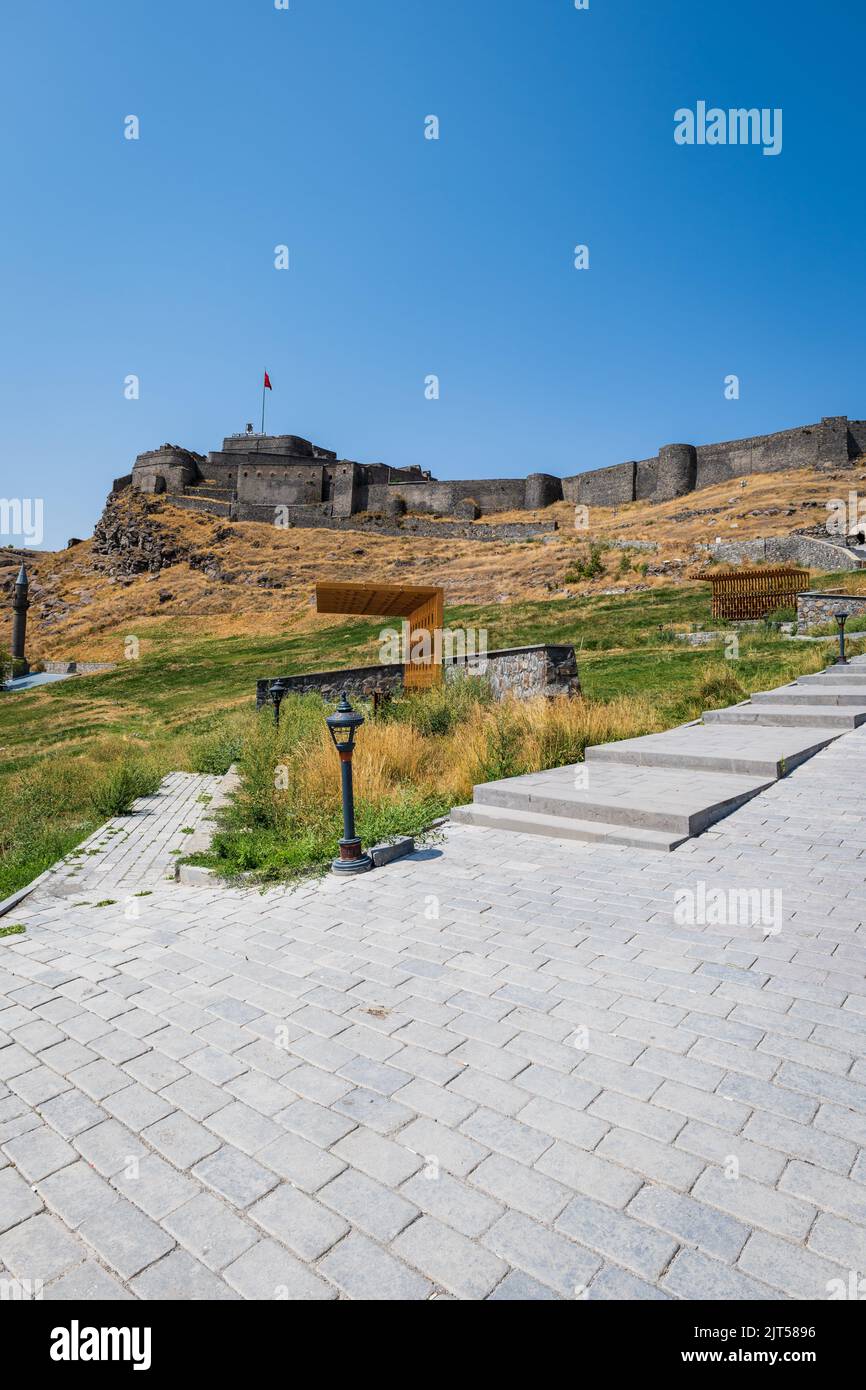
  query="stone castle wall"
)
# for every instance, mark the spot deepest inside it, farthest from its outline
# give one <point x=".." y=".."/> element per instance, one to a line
<point x="256" y="473"/>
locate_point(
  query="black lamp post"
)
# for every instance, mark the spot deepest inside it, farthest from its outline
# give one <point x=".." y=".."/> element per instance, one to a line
<point x="841" y="619"/>
<point x="277" y="690"/>
<point x="343" y="724"/>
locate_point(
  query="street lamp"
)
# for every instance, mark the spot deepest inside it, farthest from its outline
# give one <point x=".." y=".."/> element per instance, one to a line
<point x="343" y="724"/>
<point x="277" y="690"/>
<point x="841" y="619"/>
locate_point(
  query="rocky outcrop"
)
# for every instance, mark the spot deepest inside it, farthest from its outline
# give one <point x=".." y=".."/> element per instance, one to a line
<point x="127" y="541"/>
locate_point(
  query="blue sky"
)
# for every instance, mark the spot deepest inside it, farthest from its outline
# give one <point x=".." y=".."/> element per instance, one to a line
<point x="412" y="257"/>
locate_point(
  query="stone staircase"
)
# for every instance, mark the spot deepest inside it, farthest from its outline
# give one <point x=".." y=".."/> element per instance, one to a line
<point x="657" y="791"/>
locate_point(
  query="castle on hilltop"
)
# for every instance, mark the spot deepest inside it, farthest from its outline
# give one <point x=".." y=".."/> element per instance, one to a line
<point x="254" y="475"/>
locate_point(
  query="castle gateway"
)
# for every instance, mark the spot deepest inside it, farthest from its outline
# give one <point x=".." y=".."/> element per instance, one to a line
<point x="254" y="475"/>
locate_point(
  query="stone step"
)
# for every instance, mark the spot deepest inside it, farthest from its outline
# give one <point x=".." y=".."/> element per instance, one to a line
<point x="755" y="752"/>
<point x="645" y="798"/>
<point x="837" y="717"/>
<point x="564" y="828"/>
<point x="811" y="695"/>
<point x="837" y="675"/>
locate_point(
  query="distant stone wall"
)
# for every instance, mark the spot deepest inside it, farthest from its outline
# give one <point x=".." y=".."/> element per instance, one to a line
<point x="807" y="551"/>
<point x="411" y="526"/>
<point x="523" y="672"/>
<point x="815" y="608"/>
<point x="77" y="668"/>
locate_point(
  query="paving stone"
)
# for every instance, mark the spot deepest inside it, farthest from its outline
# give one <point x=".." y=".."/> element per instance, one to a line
<point x="38" y="1153"/>
<point x="86" y="1283"/>
<point x="798" y="1273"/>
<point x="757" y="1205"/>
<point x="661" y="1162"/>
<point x="181" y="1140"/>
<point x="521" y="1188"/>
<point x="268" y="1271"/>
<point x="379" y="1158"/>
<point x="442" y="1147"/>
<point x="691" y="1221"/>
<point x="235" y="1176"/>
<point x="137" y="1107"/>
<point x="520" y="1288"/>
<point x="823" y="1189"/>
<point x="155" y="1071"/>
<point x="548" y="1257"/>
<point x="180" y="1278"/>
<point x="695" y="1276"/>
<point x="372" y="1110"/>
<point x="154" y="1185"/>
<point x="75" y="1192"/>
<point x="449" y="1104"/>
<point x="109" y="1147"/>
<point x="124" y="1238"/>
<point x="461" y="1266"/>
<point x="210" y="1231"/>
<point x="563" y="1122"/>
<point x="299" y="1221"/>
<point x="17" y="1202"/>
<point x="38" y="1085"/>
<point x="839" y="1240"/>
<point x="315" y="1123"/>
<point x="71" y="1113"/>
<point x="754" y="1160"/>
<point x="261" y="1093"/>
<point x="302" y="1163"/>
<point x="199" y="1098"/>
<point x="243" y="1127"/>
<point x="619" y="1237"/>
<point x="39" y="1248"/>
<point x="99" y="1079"/>
<point x="368" y="1205"/>
<point x="799" y="1141"/>
<point x="453" y="1202"/>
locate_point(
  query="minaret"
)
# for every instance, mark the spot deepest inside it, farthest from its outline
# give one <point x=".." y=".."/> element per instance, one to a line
<point x="20" y="604"/>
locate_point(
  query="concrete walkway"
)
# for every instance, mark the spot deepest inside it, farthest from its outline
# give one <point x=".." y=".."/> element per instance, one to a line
<point x="508" y="1067"/>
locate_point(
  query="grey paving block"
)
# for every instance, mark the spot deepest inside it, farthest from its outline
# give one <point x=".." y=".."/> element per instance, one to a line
<point x="696" y="1276"/>
<point x="461" y="1266"/>
<point x="368" y="1205"/>
<point x="371" y="1110"/>
<point x="302" y="1163"/>
<point x="379" y="1158"/>
<point x="124" y="1238"/>
<point x="137" y="1107"/>
<point x="620" y="1237"/>
<point x="518" y="1287"/>
<point x="17" y="1202"/>
<point x="453" y="1202"/>
<point x="691" y="1221"/>
<point x="39" y="1248"/>
<point x="86" y="1283"/>
<point x="71" y="1113"/>
<point x="563" y="1122"/>
<point x="109" y="1147"/>
<point x="210" y="1231"/>
<point x="757" y="1205"/>
<point x="181" y="1140"/>
<point x="180" y="1278"/>
<point x="75" y="1192"/>
<point x="315" y="1123"/>
<point x="589" y="1173"/>
<point x="38" y="1153"/>
<point x="650" y="1159"/>
<point x="198" y="1097"/>
<point x="442" y="1147"/>
<point x="239" y="1179"/>
<point x="822" y="1189"/>
<point x="268" y="1271"/>
<point x="154" y="1185"/>
<point x="618" y="1284"/>
<point x="302" y="1223"/>
<point x="548" y="1257"/>
<point x="522" y="1188"/>
<point x="839" y="1240"/>
<point x="243" y="1127"/>
<point x="796" y="1272"/>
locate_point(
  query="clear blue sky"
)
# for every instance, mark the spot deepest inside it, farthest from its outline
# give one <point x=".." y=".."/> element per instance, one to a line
<point x="411" y="257"/>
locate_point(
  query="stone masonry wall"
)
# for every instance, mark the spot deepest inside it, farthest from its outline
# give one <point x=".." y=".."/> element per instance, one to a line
<point x="814" y="609"/>
<point x="523" y="672"/>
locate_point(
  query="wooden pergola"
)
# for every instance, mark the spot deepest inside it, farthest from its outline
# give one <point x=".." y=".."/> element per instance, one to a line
<point x="421" y="607"/>
<point x="754" y="593"/>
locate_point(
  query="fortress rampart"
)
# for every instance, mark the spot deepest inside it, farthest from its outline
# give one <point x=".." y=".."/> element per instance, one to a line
<point x="252" y="476"/>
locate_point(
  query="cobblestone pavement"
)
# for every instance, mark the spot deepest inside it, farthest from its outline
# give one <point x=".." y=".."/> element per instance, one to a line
<point x="504" y="1068"/>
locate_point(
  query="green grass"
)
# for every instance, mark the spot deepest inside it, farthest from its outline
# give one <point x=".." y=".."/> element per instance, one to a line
<point x="76" y="752"/>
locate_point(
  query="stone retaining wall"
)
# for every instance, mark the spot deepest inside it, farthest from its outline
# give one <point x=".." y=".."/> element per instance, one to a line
<point x="808" y="551"/>
<point x="815" y="608"/>
<point x="520" y="671"/>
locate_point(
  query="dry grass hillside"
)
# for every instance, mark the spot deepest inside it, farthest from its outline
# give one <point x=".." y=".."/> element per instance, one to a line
<point x="249" y="578"/>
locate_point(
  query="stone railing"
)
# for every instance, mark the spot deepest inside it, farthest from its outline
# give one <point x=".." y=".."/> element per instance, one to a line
<point x="523" y="672"/>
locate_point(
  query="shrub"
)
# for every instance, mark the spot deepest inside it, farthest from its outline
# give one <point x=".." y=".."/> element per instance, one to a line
<point x="122" y="785"/>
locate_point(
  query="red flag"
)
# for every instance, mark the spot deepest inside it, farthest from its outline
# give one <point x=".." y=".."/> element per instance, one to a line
<point x="268" y="386"/>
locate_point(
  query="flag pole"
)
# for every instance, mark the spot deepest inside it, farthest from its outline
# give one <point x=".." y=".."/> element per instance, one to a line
<point x="263" y="405"/>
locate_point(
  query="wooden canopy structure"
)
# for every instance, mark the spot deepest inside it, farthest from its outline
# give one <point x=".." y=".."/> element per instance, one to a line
<point x="754" y="593"/>
<point x="422" y="608"/>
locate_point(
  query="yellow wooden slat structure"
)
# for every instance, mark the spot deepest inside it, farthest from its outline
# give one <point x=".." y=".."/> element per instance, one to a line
<point x="754" y="593"/>
<point x="421" y="606"/>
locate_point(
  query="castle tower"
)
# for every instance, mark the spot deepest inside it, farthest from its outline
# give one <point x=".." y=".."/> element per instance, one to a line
<point x="20" y="604"/>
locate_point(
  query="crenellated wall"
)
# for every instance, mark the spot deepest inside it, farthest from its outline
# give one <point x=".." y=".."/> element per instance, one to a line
<point x="253" y="475"/>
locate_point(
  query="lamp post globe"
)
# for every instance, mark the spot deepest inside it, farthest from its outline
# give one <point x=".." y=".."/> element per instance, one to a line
<point x="277" y="689"/>
<point x="343" y="726"/>
<point x="841" y="619"/>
